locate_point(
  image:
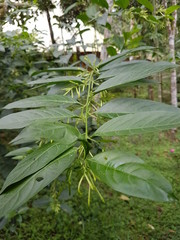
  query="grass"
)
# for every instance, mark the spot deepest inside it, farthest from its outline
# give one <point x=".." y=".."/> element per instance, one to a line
<point x="119" y="218"/>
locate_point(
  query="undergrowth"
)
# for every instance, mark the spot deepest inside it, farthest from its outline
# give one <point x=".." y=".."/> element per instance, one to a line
<point x="120" y="217"/>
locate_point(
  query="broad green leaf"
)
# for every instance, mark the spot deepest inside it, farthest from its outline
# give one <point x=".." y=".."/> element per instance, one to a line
<point x="118" y="41"/>
<point x="120" y="67"/>
<point x="172" y="9"/>
<point x="101" y="3"/>
<point x="153" y="19"/>
<point x="64" y="59"/>
<point x="133" y="72"/>
<point x="147" y="4"/>
<point x="70" y="7"/>
<point x="141" y="122"/>
<point x="90" y="60"/>
<point x="113" y="64"/>
<point x="56" y="80"/>
<point x="83" y="17"/>
<point x="121" y="106"/>
<point x="25" y="118"/>
<point x="128" y="174"/>
<point x="19" y="152"/>
<point x="124" y="53"/>
<point x="139" y="83"/>
<point x="122" y="3"/>
<point x="92" y="11"/>
<point x="102" y="20"/>
<point x="34" y="161"/>
<point x="26" y="189"/>
<point x="111" y="51"/>
<point x="61" y="69"/>
<point x="58" y="132"/>
<point x="41" y="101"/>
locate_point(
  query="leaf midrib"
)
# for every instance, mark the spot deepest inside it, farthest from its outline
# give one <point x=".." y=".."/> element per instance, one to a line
<point x="122" y="172"/>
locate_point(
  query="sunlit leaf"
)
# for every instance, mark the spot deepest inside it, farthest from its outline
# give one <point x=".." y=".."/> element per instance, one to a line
<point x="171" y="9"/>
<point x="147" y="4"/>
<point x="122" y="3"/>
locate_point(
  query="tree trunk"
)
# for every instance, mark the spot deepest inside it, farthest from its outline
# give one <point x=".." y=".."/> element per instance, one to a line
<point x="150" y="93"/>
<point x="156" y="42"/>
<point x="107" y="33"/>
<point x="50" y="27"/>
<point x="172" y="33"/>
<point x="171" y="25"/>
<point x="160" y="87"/>
<point x="3" y="12"/>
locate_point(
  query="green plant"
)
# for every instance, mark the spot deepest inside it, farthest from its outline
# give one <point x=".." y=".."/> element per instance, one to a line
<point x="63" y="126"/>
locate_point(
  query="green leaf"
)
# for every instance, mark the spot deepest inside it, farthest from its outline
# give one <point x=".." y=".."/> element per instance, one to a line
<point x="122" y="3"/>
<point x="128" y="174"/>
<point x="153" y="19"/>
<point x="2" y="49"/>
<point x="90" y="60"/>
<point x="61" y="69"/>
<point x="132" y="72"/>
<point x="83" y="17"/>
<point x="58" y="132"/>
<point x="171" y="9"/>
<point x="113" y="64"/>
<point x="70" y="7"/>
<point x="101" y="3"/>
<point x="147" y="4"/>
<point x="111" y="51"/>
<point x="139" y="83"/>
<point x="41" y="101"/>
<point x="118" y="41"/>
<point x="34" y="161"/>
<point x="102" y="20"/>
<point x="26" y="189"/>
<point x="92" y="11"/>
<point x="56" y="80"/>
<point x="119" y="66"/>
<point x="121" y="106"/>
<point x="19" y="152"/>
<point x="124" y="53"/>
<point x="25" y="118"/>
<point x="141" y="122"/>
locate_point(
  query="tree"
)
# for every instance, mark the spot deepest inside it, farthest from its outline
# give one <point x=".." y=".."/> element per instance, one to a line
<point x="107" y="33"/>
<point x="64" y="145"/>
<point x="172" y="28"/>
<point x="46" y="6"/>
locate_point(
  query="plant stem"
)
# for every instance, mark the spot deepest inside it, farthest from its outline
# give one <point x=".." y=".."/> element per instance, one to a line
<point x="88" y="100"/>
